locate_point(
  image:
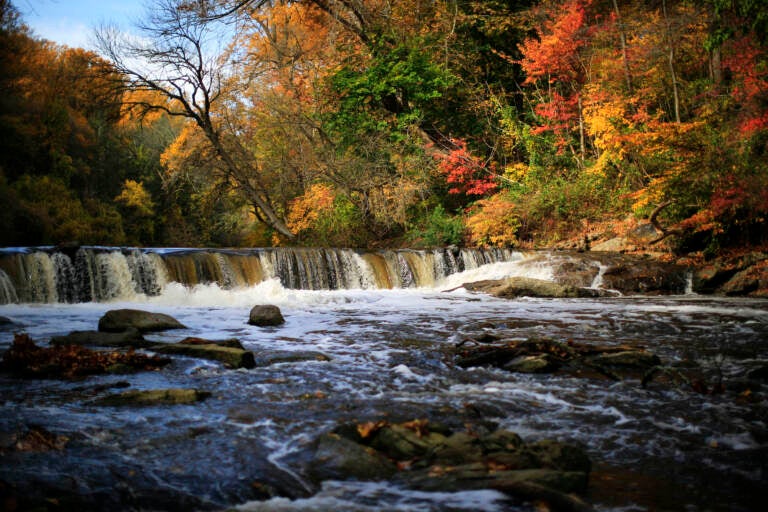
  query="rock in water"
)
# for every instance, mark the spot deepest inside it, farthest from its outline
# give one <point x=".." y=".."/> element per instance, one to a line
<point x="230" y="356"/>
<point x="172" y="396"/>
<point x="128" y="338"/>
<point x="265" y="316"/>
<point x="118" y="320"/>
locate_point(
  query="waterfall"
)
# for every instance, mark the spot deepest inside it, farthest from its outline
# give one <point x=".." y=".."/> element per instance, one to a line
<point x="86" y="274"/>
<point x="7" y="290"/>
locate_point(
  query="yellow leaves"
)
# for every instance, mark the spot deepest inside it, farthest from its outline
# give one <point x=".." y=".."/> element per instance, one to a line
<point x="189" y="143"/>
<point x="306" y="209"/>
<point x="134" y="195"/>
<point x="516" y="172"/>
<point x="494" y="222"/>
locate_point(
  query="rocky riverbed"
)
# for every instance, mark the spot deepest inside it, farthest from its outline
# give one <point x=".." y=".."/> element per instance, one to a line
<point x="392" y="400"/>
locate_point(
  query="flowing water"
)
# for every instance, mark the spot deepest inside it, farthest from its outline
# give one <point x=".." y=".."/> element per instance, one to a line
<point x="389" y="327"/>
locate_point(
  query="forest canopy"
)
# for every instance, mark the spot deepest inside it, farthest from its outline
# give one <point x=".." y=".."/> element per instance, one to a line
<point x="364" y="123"/>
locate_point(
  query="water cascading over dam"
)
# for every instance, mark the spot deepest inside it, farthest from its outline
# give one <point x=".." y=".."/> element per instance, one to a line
<point x="94" y="274"/>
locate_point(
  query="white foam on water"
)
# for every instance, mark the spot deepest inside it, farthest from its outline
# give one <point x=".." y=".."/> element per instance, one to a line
<point x="377" y="496"/>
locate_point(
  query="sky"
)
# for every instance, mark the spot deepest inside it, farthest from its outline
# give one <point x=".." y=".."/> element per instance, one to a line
<point x="72" y="22"/>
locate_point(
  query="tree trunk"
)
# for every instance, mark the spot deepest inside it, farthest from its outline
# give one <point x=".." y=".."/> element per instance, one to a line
<point x="270" y="217"/>
<point x="623" y="39"/>
<point x="671" y="59"/>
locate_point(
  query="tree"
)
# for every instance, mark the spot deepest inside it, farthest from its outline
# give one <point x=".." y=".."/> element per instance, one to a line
<point x="179" y="58"/>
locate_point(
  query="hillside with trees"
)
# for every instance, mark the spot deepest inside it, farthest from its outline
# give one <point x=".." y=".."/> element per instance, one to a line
<point x="363" y="123"/>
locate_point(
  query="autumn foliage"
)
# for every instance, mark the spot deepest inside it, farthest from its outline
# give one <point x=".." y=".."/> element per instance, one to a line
<point x="27" y="359"/>
<point x="370" y="124"/>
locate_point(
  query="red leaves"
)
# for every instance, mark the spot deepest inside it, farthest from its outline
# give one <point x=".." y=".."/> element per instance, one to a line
<point x="70" y="361"/>
<point x="471" y="175"/>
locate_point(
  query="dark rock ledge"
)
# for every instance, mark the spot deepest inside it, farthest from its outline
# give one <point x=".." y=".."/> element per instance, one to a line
<point x="430" y="457"/>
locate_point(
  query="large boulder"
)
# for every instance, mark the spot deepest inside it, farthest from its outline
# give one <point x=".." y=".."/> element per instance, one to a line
<point x="265" y="315"/>
<point x="646" y="276"/>
<point x="338" y="458"/>
<point x="118" y="320"/>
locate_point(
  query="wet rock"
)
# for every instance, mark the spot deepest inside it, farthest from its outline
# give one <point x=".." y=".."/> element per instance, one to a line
<point x="746" y="274"/>
<point x="288" y="356"/>
<point x="477" y="477"/>
<point x="422" y="456"/>
<point x="405" y="441"/>
<point x="541" y="363"/>
<point x="117" y="320"/>
<point x="577" y="272"/>
<point x="336" y="457"/>
<point x="231" y="342"/>
<point x="627" y="358"/>
<point x="752" y="281"/>
<point x="33" y="438"/>
<point x="265" y="315"/>
<point x="128" y="338"/>
<point x="231" y="357"/>
<point x="522" y="287"/>
<point x="543" y="355"/>
<point x="645" y="276"/>
<point x="172" y="396"/>
<point x="26" y="359"/>
<point x="4" y="320"/>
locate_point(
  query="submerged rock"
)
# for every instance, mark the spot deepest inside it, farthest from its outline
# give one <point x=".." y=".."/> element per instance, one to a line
<point x="117" y="320"/>
<point x="288" y="356"/>
<point x="4" y="320"/>
<point x="231" y="357"/>
<point x="128" y="338"/>
<point x="172" y="396"/>
<point x="543" y="355"/>
<point x="265" y="315"/>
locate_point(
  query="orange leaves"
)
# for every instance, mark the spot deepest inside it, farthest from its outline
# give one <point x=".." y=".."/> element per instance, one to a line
<point x="306" y="209"/>
<point x="494" y="222"/>
<point x="369" y="428"/>
<point x="554" y="55"/>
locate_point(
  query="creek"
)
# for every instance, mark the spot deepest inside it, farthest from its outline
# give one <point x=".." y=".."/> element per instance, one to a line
<point x="390" y="327"/>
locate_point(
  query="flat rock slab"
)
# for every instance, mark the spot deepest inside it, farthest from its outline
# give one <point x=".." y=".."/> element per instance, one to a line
<point x="231" y="357"/>
<point x="289" y="356"/>
<point x="528" y="287"/>
<point x="118" y="320"/>
<point x="172" y="396"/>
<point x="230" y="342"/>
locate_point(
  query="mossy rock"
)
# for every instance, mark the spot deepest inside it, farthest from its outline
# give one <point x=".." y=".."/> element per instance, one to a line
<point x="231" y="357"/>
